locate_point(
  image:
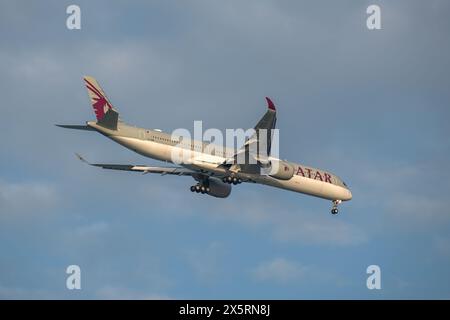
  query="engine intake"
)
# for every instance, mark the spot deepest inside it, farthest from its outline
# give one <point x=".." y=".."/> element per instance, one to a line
<point x="281" y="170"/>
<point x="218" y="189"/>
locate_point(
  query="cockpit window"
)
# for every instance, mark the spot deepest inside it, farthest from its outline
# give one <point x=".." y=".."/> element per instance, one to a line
<point x="344" y="183"/>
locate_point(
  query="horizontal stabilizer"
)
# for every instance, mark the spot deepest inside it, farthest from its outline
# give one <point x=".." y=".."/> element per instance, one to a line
<point x="76" y="127"/>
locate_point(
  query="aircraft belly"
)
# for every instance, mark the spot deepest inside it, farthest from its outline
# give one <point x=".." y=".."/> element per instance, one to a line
<point x="297" y="183"/>
<point x="309" y="186"/>
<point x="146" y="148"/>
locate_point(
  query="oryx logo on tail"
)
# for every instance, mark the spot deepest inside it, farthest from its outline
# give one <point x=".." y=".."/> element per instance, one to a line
<point x="98" y="98"/>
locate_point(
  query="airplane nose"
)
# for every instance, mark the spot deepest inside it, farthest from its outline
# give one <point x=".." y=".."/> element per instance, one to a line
<point x="348" y="195"/>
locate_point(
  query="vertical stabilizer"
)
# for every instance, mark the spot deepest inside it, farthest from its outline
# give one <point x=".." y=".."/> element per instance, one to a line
<point x="106" y="115"/>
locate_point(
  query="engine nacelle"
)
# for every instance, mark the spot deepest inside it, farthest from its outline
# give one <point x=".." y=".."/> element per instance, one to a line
<point x="281" y="170"/>
<point x="218" y="189"/>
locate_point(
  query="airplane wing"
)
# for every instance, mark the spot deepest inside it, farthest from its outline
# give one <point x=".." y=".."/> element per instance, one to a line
<point x="258" y="146"/>
<point x="198" y="175"/>
<point x="179" y="171"/>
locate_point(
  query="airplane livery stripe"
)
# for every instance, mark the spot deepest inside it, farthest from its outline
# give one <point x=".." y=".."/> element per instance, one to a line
<point x="92" y="87"/>
<point x="100" y="96"/>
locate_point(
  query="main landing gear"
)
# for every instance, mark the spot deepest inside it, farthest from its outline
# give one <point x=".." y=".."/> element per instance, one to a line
<point x="232" y="180"/>
<point x="200" y="188"/>
<point x="334" y="209"/>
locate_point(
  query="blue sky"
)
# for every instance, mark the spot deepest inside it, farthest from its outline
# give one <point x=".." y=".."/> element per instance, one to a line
<point x="371" y="106"/>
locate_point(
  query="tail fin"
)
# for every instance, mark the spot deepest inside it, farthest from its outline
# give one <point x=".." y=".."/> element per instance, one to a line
<point x="106" y="115"/>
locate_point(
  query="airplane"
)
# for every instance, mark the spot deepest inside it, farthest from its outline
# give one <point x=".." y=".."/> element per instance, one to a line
<point x="215" y="172"/>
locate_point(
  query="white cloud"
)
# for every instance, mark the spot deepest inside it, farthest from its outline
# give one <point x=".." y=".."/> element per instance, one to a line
<point x="419" y="209"/>
<point x="400" y="193"/>
<point x="91" y="230"/>
<point x="442" y="245"/>
<point x="254" y="19"/>
<point x="206" y="263"/>
<point x="116" y="293"/>
<point x="26" y="198"/>
<point x="131" y="58"/>
<point x="280" y="270"/>
<point x="290" y="225"/>
<point x="23" y="293"/>
<point x="282" y="223"/>
<point x="326" y="231"/>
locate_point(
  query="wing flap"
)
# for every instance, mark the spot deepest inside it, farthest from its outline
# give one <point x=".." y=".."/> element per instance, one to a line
<point x="180" y="171"/>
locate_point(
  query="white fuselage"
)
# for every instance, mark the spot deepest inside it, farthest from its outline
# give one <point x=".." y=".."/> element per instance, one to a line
<point x="157" y="145"/>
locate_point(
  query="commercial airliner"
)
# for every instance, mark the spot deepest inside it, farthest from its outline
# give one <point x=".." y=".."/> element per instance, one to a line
<point x="214" y="169"/>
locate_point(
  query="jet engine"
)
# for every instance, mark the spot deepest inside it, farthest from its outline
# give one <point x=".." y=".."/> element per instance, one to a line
<point x="218" y="189"/>
<point x="280" y="170"/>
<point x="213" y="187"/>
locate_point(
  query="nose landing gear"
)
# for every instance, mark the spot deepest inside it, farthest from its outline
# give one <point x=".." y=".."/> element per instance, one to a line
<point x="334" y="208"/>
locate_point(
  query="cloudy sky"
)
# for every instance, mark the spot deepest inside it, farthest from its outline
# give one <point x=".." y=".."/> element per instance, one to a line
<point x="371" y="106"/>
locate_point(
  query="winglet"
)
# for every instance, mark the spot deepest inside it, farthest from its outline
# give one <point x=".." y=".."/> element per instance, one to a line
<point x="82" y="159"/>
<point x="270" y="104"/>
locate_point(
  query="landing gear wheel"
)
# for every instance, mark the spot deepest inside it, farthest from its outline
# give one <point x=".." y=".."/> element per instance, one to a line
<point x="197" y="188"/>
<point x="232" y="180"/>
<point x="192" y="188"/>
<point x="208" y="189"/>
<point x="202" y="189"/>
<point x="334" y="208"/>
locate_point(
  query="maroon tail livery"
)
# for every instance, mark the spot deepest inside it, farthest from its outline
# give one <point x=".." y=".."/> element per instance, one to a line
<point x="98" y="98"/>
